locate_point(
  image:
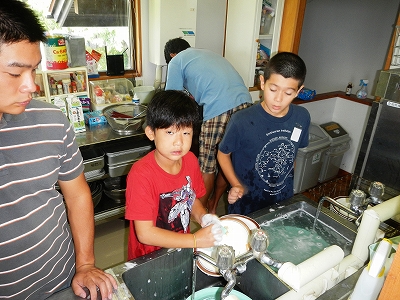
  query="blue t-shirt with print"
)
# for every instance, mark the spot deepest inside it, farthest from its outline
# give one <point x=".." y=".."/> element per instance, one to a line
<point x="264" y="149"/>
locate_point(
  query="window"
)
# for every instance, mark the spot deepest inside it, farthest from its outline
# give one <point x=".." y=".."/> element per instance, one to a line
<point x="106" y="25"/>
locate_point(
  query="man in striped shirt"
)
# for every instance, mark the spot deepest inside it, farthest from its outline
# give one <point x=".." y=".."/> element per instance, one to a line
<point x="45" y="246"/>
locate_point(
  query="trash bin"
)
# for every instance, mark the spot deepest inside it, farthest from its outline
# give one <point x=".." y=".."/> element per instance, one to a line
<point x="339" y="144"/>
<point x="309" y="159"/>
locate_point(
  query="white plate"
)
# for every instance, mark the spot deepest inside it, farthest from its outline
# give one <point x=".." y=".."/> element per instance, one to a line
<point x="236" y="235"/>
<point x="251" y="223"/>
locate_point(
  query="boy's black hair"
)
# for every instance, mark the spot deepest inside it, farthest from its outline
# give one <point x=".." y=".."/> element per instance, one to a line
<point x="172" y="108"/>
<point x="287" y="64"/>
<point x="19" y="23"/>
<point x="174" y="46"/>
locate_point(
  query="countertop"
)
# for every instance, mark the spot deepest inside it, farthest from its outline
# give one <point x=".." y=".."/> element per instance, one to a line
<point x="323" y="96"/>
<point x="340" y="291"/>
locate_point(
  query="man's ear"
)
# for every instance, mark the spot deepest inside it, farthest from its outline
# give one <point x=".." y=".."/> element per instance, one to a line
<point x="262" y="82"/>
<point x="149" y="133"/>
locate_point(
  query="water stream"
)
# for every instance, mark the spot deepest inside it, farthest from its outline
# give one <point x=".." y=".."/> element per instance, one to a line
<point x="317" y="215"/>
<point x="194" y="268"/>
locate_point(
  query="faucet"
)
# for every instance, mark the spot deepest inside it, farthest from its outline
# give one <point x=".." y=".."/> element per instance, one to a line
<point x="229" y="267"/>
<point x="354" y="210"/>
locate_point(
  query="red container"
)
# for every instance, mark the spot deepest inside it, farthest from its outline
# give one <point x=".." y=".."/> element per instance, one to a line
<point x="56" y="53"/>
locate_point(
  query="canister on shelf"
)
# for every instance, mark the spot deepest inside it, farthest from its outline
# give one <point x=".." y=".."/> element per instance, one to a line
<point x="56" y="53"/>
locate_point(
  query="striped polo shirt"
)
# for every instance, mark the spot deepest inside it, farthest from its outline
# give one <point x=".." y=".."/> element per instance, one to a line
<point x="37" y="148"/>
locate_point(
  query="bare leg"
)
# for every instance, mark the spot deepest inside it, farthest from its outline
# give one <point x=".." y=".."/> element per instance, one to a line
<point x="209" y="183"/>
<point x="220" y="188"/>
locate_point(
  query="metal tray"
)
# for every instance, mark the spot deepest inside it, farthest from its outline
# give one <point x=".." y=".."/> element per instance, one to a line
<point x="121" y="169"/>
<point x="93" y="159"/>
<point x="123" y="153"/>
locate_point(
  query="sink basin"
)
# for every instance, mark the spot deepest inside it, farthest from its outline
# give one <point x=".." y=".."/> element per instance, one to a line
<point x="169" y="276"/>
<point x="168" y="273"/>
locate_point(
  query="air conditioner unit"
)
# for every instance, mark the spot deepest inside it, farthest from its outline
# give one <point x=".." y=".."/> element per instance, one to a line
<point x="170" y="19"/>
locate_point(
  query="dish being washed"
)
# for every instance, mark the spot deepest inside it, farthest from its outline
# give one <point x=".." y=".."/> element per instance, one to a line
<point x="236" y="234"/>
<point x="251" y="223"/>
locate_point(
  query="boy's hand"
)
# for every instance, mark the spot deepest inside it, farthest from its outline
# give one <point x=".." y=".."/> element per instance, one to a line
<point x="209" y="236"/>
<point x="235" y="193"/>
<point x="216" y="226"/>
<point x="209" y="219"/>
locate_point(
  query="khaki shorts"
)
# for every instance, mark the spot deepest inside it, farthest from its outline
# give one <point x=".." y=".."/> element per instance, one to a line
<point x="211" y="134"/>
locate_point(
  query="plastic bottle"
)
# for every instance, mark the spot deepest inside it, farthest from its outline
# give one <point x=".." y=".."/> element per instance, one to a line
<point x="371" y="280"/>
<point x="363" y="91"/>
<point x="348" y="89"/>
<point x="135" y="99"/>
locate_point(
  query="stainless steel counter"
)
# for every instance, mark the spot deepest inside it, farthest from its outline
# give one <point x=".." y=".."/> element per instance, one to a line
<point x="99" y="134"/>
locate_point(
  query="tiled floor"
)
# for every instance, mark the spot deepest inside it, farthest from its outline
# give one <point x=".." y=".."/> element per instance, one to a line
<point x="111" y="239"/>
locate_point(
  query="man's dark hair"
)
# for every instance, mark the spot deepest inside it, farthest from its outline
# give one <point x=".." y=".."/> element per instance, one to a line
<point x="174" y="46"/>
<point x="172" y="108"/>
<point x="287" y="64"/>
<point x="19" y="23"/>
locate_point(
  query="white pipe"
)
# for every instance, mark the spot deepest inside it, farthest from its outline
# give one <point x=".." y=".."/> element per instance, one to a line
<point x="314" y="288"/>
<point x="306" y="271"/>
<point x="370" y="222"/>
<point x="354" y="261"/>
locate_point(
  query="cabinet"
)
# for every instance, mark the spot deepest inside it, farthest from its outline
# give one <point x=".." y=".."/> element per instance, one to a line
<point x="53" y="83"/>
<point x="244" y="37"/>
<point x="98" y="140"/>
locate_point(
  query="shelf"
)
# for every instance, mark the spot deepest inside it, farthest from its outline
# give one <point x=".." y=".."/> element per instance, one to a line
<point x="48" y="80"/>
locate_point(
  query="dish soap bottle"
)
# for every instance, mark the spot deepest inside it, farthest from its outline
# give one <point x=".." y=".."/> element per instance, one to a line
<point x="135" y="99"/>
<point x="371" y="280"/>
<point x="363" y="91"/>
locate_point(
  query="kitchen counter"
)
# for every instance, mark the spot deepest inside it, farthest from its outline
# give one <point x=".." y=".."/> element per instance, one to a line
<point x="324" y="96"/>
<point x="338" y="291"/>
<point x="100" y="134"/>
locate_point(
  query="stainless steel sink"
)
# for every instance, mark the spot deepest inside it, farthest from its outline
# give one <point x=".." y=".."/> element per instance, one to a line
<point x="167" y="274"/>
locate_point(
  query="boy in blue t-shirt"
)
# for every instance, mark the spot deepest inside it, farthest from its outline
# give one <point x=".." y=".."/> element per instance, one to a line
<point x="258" y="151"/>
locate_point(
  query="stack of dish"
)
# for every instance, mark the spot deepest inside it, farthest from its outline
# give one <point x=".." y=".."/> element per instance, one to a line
<point x="237" y="230"/>
<point x="97" y="192"/>
<point x="115" y="188"/>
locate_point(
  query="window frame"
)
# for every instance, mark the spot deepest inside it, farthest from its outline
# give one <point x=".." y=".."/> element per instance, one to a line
<point x="135" y="36"/>
<point x="137" y="49"/>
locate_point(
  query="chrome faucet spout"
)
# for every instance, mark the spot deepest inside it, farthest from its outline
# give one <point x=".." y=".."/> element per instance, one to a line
<point x="204" y="256"/>
<point x="341" y="206"/>
<point x="230" y="277"/>
<point x="265" y="258"/>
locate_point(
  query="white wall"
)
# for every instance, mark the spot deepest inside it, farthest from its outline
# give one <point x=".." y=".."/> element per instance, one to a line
<point x="341" y="41"/>
<point x="209" y="33"/>
<point x="346" y="40"/>
<point x="352" y="116"/>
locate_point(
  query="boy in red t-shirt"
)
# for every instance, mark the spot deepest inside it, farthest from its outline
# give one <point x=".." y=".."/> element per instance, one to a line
<point x="164" y="187"/>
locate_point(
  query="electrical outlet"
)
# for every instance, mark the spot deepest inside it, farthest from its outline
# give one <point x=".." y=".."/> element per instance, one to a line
<point x="138" y="82"/>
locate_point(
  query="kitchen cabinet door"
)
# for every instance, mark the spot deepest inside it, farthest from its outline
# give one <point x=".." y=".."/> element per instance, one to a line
<point x="243" y="34"/>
